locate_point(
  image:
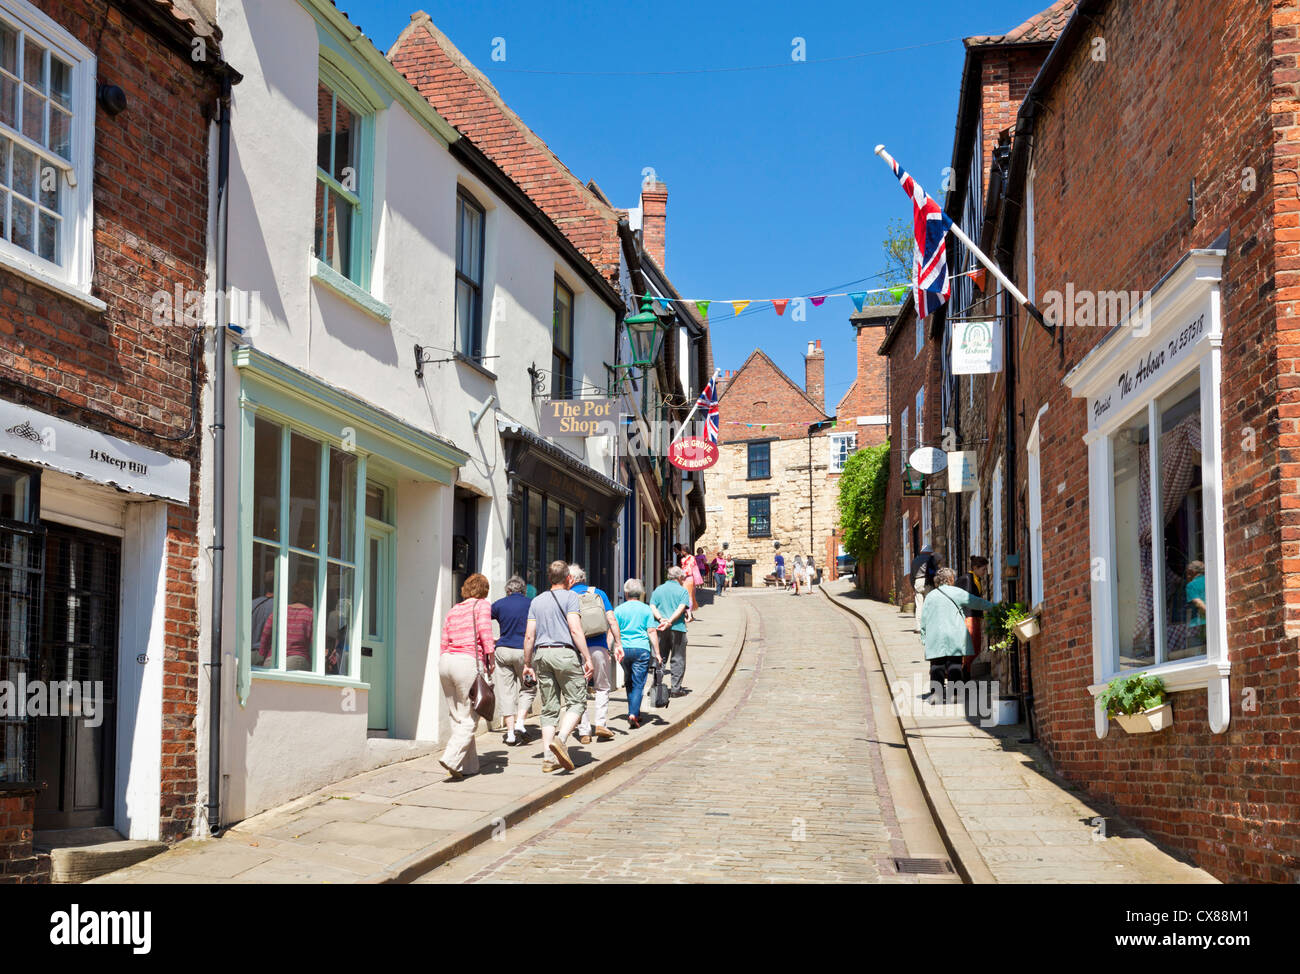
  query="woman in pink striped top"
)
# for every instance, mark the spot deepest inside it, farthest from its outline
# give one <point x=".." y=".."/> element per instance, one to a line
<point x="467" y="642"/>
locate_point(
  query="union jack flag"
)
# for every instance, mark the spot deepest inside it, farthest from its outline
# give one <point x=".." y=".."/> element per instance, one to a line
<point x="930" y="283"/>
<point x="708" y="402"/>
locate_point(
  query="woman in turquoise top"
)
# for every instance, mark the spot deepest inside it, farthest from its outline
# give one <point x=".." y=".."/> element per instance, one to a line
<point x="640" y="635"/>
<point x="943" y="626"/>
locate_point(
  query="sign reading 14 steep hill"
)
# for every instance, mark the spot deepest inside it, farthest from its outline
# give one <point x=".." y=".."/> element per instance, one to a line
<point x="578" y="417"/>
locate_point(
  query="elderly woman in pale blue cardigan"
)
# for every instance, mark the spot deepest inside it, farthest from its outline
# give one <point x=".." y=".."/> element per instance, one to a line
<point x="943" y="624"/>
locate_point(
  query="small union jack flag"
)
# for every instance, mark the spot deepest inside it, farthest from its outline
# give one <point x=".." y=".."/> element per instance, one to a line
<point x="930" y="225"/>
<point x="708" y="402"/>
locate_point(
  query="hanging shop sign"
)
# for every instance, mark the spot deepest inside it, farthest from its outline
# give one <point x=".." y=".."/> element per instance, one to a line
<point x="692" y="453"/>
<point x="976" y="347"/>
<point x="35" y="437"/>
<point x="579" y="417"/>
<point x="927" y="459"/>
<point x="961" y="471"/>
<point x="913" y="482"/>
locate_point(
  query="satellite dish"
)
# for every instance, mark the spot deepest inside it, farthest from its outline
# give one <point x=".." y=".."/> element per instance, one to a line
<point x="928" y="459"/>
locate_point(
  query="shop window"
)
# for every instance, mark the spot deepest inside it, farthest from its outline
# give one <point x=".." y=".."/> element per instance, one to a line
<point x="22" y="564"/>
<point x="760" y="461"/>
<point x="469" y="276"/>
<point x="1155" y="501"/>
<point x="47" y="86"/>
<point x="305" y="513"/>
<point x="760" y="517"/>
<point x="842" y="447"/>
<point x="342" y="238"/>
<point x="1159" y="562"/>
<point x="562" y="343"/>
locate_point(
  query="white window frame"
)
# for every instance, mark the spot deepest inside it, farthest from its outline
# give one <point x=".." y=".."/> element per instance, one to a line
<point x="839" y="456"/>
<point x="907" y="547"/>
<point x="975" y="514"/>
<point x="995" y="537"/>
<point x="920" y="417"/>
<point x="1181" y="330"/>
<point x="72" y="276"/>
<point x="1033" y="447"/>
<point x="902" y="455"/>
<point x="920" y="337"/>
<point x="1029" y="235"/>
<point x="925" y="521"/>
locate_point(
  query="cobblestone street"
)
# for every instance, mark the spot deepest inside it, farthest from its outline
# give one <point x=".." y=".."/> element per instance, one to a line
<point x="782" y="780"/>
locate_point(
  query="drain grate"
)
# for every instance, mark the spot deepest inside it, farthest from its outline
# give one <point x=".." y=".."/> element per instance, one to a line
<point x="927" y="866"/>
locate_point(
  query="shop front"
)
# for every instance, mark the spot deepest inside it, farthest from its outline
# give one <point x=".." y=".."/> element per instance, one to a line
<point x="345" y="518"/>
<point x="559" y="508"/>
<point x="82" y="653"/>
<point x="1155" y="499"/>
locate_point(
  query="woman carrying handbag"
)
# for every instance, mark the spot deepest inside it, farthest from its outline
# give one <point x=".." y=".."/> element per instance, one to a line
<point x="465" y="668"/>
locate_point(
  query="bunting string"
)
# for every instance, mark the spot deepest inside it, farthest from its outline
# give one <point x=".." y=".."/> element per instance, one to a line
<point x="898" y="292"/>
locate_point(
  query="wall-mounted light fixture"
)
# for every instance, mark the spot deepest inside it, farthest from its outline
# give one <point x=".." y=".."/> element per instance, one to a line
<point x="112" y="99"/>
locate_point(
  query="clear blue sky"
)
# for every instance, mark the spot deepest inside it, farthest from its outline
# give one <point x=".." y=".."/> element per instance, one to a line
<point x="773" y="190"/>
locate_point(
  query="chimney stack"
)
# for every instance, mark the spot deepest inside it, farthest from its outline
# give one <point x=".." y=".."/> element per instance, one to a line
<point x="814" y="366"/>
<point x="654" y="219"/>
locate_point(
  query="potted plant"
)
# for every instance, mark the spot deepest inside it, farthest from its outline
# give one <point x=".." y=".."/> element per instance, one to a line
<point x="1137" y="702"/>
<point x="999" y="623"/>
<point x="1023" y="623"/>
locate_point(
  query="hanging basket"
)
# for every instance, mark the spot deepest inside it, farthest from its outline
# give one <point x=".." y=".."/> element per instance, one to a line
<point x="1026" y="629"/>
<point x="1149" y="721"/>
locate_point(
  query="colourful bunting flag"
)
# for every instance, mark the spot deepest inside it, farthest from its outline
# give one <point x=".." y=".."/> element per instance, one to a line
<point x="858" y="297"/>
<point x="978" y="278"/>
<point x="703" y="308"/>
<point x="817" y="301"/>
<point x="779" y="304"/>
<point x="898" y="293"/>
<point x="740" y="306"/>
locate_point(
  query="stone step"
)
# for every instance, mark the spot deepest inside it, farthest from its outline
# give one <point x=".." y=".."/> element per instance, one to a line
<point x="77" y="855"/>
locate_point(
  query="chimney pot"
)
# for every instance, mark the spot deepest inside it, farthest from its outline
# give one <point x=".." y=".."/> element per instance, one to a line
<point x="814" y="383"/>
<point x="654" y="220"/>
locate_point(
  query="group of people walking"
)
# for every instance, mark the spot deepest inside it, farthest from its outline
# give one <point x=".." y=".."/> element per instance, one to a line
<point x="949" y="613"/>
<point x="554" y="644"/>
<point x="701" y="569"/>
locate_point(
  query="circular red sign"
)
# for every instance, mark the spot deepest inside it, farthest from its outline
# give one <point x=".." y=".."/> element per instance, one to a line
<point x="693" y="453"/>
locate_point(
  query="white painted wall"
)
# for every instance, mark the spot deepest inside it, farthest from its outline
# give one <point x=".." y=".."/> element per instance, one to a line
<point x="138" y="788"/>
<point x="289" y="735"/>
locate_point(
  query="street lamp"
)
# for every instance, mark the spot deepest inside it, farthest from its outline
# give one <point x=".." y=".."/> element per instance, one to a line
<point x="643" y="329"/>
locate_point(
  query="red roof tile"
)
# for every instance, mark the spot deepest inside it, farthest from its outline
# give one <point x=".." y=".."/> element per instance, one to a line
<point x="1042" y="28"/>
<point x="464" y="97"/>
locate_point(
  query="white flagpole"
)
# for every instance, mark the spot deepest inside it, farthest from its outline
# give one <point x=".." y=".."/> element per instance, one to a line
<point x="993" y="268"/>
<point x="687" y="420"/>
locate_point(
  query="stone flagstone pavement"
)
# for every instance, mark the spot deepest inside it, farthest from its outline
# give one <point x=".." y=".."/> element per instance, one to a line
<point x="397" y="822"/>
<point x="1005" y="815"/>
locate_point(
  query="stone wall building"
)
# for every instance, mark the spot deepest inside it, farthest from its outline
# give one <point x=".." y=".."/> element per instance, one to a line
<point x="777" y="478"/>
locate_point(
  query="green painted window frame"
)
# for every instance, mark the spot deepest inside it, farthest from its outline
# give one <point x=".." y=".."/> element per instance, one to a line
<point x="387" y="450"/>
<point x="284" y="551"/>
<point x="347" y="83"/>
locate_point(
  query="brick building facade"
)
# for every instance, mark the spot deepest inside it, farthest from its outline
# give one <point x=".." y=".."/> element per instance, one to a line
<point x="775" y="481"/>
<point x="99" y="391"/>
<point x="1164" y="384"/>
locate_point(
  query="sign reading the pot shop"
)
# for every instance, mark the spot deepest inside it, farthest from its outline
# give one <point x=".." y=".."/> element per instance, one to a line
<point x="578" y="417"/>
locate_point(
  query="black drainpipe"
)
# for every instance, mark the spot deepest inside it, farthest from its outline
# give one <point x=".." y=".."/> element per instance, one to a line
<point x="219" y="459"/>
